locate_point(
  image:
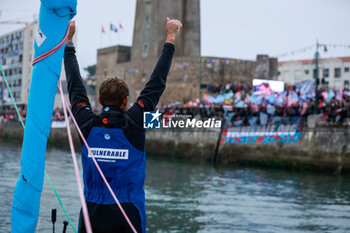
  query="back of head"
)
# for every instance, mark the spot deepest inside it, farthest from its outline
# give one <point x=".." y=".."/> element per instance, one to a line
<point x="113" y="92"/>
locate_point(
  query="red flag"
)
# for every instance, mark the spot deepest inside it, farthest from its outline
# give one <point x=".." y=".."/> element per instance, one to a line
<point x="103" y="30"/>
<point x="121" y="26"/>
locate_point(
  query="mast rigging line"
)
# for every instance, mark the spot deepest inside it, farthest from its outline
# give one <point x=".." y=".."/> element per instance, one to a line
<point x="45" y="172"/>
<point x="64" y="102"/>
<point x="75" y="164"/>
<point x="65" y="108"/>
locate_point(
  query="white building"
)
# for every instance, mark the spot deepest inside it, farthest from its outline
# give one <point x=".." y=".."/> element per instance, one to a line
<point x="16" y="56"/>
<point x="333" y="72"/>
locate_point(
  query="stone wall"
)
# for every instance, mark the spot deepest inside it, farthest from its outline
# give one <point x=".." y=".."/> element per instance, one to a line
<point x="266" y="68"/>
<point x="108" y="58"/>
<point x="320" y="148"/>
<point x="150" y="32"/>
<point x="183" y="78"/>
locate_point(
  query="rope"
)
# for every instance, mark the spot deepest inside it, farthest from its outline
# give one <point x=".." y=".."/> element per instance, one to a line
<point x="48" y="53"/>
<point x="95" y="162"/>
<point x="10" y="92"/>
<point x="75" y="163"/>
<point x="46" y="175"/>
<point x="60" y="201"/>
<point x="76" y="169"/>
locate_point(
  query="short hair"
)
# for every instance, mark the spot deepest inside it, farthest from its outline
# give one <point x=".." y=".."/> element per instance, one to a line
<point x="113" y="91"/>
<point x="265" y="84"/>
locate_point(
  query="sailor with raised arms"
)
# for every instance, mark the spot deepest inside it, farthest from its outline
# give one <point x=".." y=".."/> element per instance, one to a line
<point x="117" y="139"/>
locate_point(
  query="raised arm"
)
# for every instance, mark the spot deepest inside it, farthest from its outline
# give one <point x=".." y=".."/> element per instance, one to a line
<point x="154" y="88"/>
<point x="77" y="93"/>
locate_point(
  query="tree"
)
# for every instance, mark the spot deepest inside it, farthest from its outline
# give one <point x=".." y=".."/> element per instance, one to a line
<point x="91" y="71"/>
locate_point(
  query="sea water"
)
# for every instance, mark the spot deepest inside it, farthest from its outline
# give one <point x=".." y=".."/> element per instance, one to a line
<point x="183" y="196"/>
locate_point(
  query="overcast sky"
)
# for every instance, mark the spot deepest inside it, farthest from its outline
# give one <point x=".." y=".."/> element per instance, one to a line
<point x="229" y="28"/>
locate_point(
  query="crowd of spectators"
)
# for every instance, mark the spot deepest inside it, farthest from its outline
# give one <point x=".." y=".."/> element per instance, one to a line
<point x="290" y="106"/>
<point x="246" y="108"/>
<point x="11" y="115"/>
<point x="58" y="114"/>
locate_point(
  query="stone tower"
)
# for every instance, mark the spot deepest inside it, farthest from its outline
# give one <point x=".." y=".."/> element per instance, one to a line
<point x="150" y="33"/>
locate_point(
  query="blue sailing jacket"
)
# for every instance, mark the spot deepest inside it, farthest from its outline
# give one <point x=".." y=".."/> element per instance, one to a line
<point x="123" y="166"/>
<point x="117" y="139"/>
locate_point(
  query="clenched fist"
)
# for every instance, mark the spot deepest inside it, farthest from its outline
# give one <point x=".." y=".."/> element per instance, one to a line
<point x="172" y="27"/>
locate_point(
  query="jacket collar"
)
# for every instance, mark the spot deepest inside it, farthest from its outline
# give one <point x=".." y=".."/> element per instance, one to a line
<point x="108" y="109"/>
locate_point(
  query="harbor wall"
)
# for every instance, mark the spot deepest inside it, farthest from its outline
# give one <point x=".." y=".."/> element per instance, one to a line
<point x="320" y="148"/>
